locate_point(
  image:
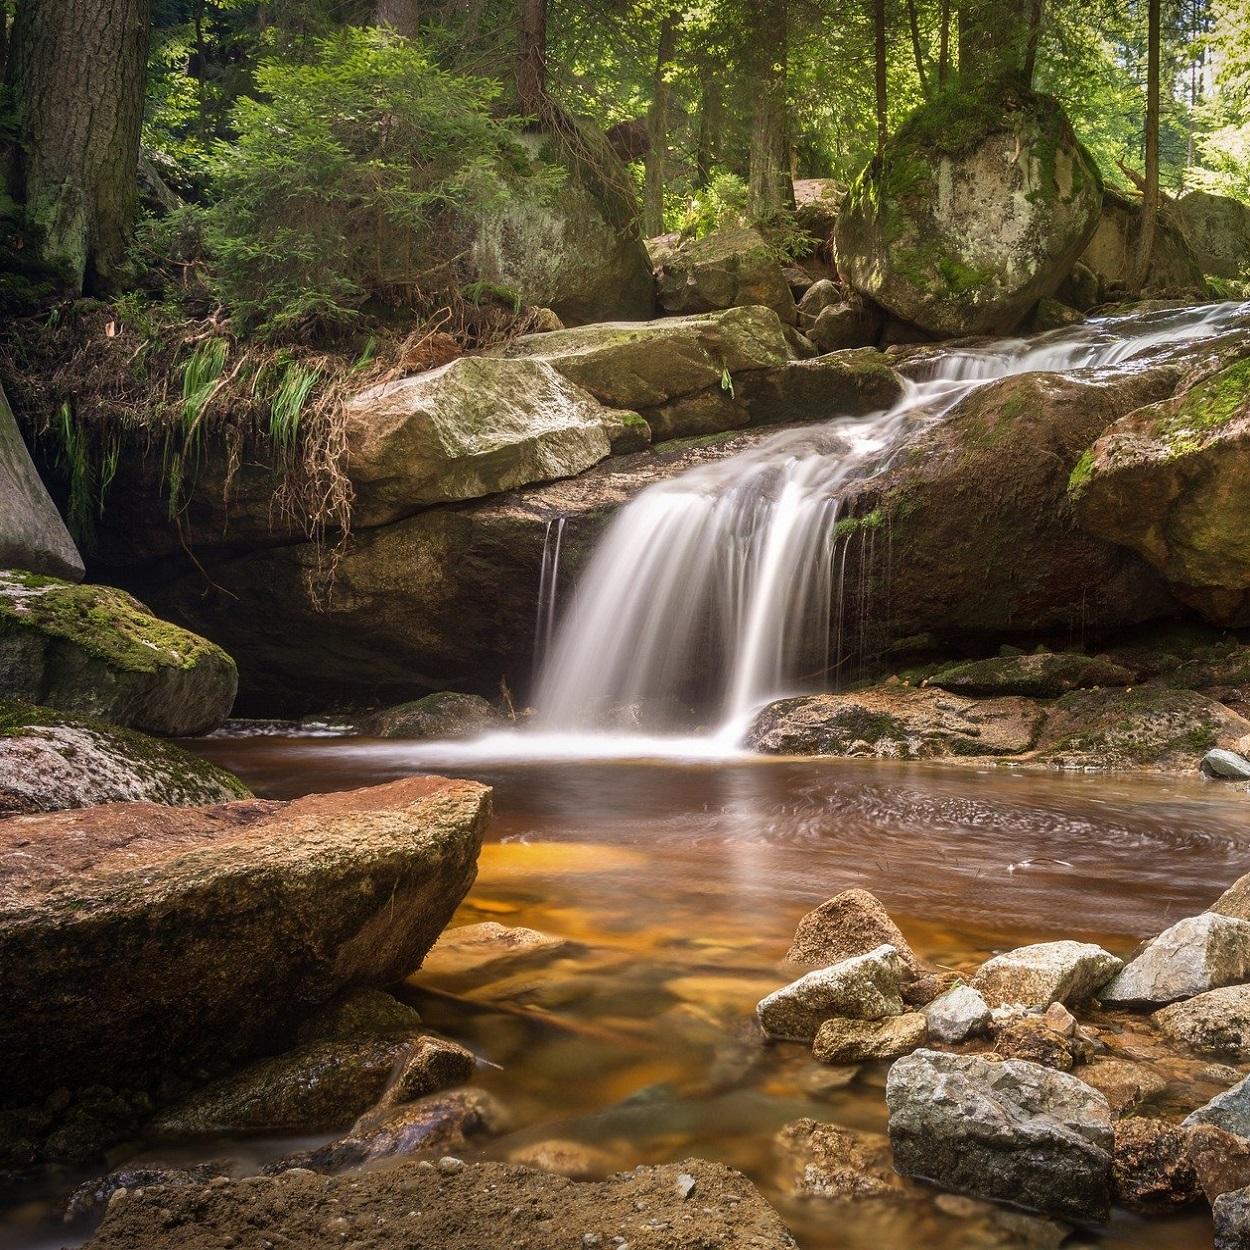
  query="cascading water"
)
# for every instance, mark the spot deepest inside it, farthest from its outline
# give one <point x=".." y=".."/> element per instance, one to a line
<point x="727" y="578"/>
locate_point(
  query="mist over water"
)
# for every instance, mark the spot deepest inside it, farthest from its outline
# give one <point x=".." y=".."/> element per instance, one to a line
<point x="730" y="576"/>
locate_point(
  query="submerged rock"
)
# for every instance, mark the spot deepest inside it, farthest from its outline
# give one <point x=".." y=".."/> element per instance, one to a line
<point x="828" y="1161"/>
<point x="1048" y="972"/>
<point x="265" y="912"/>
<point x="732" y="267"/>
<point x="1221" y="1160"/>
<point x="895" y="722"/>
<point x="1045" y="675"/>
<point x="49" y="762"/>
<point x="32" y="534"/>
<point x="865" y="987"/>
<point x="95" y="651"/>
<point x="843" y="1040"/>
<point x="1214" y="1023"/>
<point x="443" y="715"/>
<point x="1125" y="1084"/>
<point x="1197" y="954"/>
<point x="976" y="209"/>
<point x="461" y="1208"/>
<point x="1152" y="1169"/>
<point x="850" y="923"/>
<point x="957" y="1015"/>
<point x="1009" y="1131"/>
<point x="470" y="949"/>
<point x="431" y="1065"/>
<point x="575" y="1159"/>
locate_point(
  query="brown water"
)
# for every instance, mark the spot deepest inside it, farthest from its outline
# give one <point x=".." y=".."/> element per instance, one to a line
<point x="680" y="885"/>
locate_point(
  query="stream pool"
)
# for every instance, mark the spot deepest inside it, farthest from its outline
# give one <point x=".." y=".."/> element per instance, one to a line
<point x="679" y="884"/>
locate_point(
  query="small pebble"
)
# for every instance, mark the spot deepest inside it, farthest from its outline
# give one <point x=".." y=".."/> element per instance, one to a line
<point x="449" y="1164"/>
<point x="685" y="1185"/>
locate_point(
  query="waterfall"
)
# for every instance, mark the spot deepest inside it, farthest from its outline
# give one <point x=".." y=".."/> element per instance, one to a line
<point x="724" y="584"/>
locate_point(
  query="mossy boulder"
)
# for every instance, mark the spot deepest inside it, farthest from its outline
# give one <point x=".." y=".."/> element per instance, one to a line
<point x="1145" y="727"/>
<point x="1218" y="230"/>
<point x="96" y="651"/>
<point x="49" y="762"/>
<point x="578" y="251"/>
<point x="895" y="722"/>
<point x="976" y="209"/>
<point x="843" y="384"/>
<point x="641" y="366"/>
<point x="969" y="532"/>
<point x="1043" y="675"/>
<point x="445" y="714"/>
<point x="203" y="936"/>
<point x="474" y="427"/>
<point x="1171" y="481"/>
<point x="1112" y="250"/>
<point x="730" y="268"/>
<point x="32" y="534"/>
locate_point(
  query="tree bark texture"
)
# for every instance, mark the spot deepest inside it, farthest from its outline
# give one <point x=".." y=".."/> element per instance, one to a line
<point x="402" y="16"/>
<point x="1150" y="191"/>
<point x="531" y="70"/>
<point x="881" y="74"/>
<point x="770" y="188"/>
<point x="77" y="76"/>
<point x="994" y="40"/>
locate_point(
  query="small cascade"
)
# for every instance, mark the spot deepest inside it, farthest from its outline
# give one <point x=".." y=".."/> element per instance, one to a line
<point x="724" y="587"/>
<point x="548" y="585"/>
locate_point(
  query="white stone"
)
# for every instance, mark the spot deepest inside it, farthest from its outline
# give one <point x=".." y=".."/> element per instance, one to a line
<point x="1197" y="954"/>
<point x="957" y="1015"/>
<point x="1048" y="972"/>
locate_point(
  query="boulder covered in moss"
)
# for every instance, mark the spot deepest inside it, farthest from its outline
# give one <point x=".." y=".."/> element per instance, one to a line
<point x="1218" y="230"/>
<point x="579" y="249"/>
<point x="1112" y="250"/>
<point x="445" y="714"/>
<point x="474" y="427"/>
<point x="977" y="208"/>
<point x="49" y="762"/>
<point x="732" y="267"/>
<point x="141" y="943"/>
<point x="32" y="534"/>
<point x="96" y="651"/>
<point x="1143" y="727"/>
<point x="842" y="384"/>
<point x="895" y="722"/>
<point x="1171" y="481"/>
<point x="1043" y="675"/>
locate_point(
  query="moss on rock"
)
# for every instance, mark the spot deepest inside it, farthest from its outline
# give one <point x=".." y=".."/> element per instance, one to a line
<point x="97" y="651"/>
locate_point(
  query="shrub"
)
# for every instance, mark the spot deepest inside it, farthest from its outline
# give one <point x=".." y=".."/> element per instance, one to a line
<point x="351" y="183"/>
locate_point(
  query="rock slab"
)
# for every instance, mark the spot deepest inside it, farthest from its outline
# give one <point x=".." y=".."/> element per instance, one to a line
<point x="1045" y="973"/>
<point x="1197" y="954"/>
<point x="201" y="935"/>
<point x="1010" y="1131"/>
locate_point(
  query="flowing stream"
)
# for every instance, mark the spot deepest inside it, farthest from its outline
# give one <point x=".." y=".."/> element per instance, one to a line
<point x="743" y="559"/>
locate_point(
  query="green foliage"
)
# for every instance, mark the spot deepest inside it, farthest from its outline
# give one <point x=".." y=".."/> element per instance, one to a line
<point x="349" y="183"/>
<point x="723" y="202"/>
<point x="289" y="401"/>
<point x="200" y="375"/>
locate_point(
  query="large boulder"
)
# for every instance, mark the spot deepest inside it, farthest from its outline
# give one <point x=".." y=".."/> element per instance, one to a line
<point x="729" y="268"/>
<point x="1171" y="481"/>
<point x="578" y="251"/>
<point x="1112" y="250"/>
<point x="203" y="935"/>
<point x="1218" y="229"/>
<point x="969" y="530"/>
<point x="1044" y="675"/>
<point x="1012" y="1131"/>
<point x="976" y="209"/>
<point x="32" y="534"/>
<point x="457" y="1207"/>
<point x="895" y="722"/>
<point x="476" y="426"/>
<point x="1044" y="973"/>
<point x="1193" y="956"/>
<point x="49" y="762"/>
<point x="95" y="651"/>
<point x="1214" y="1023"/>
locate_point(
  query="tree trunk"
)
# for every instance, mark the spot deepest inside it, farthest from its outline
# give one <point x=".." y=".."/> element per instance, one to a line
<point x="531" y="67"/>
<point x="77" y="75"/>
<point x="657" y="131"/>
<point x="1035" y="35"/>
<point x="882" y="82"/>
<point x="770" y="188"/>
<point x="916" y="48"/>
<point x="1150" y="192"/>
<point x="994" y="40"/>
<point x="944" y="46"/>
<point x="709" y="127"/>
<point x="402" y="16"/>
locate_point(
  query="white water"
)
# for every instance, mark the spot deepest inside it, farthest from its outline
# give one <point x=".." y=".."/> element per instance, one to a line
<point x="727" y="579"/>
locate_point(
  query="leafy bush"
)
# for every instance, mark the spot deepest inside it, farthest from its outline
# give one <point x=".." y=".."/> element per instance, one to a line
<point x="352" y="182"/>
<point x="723" y="202"/>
